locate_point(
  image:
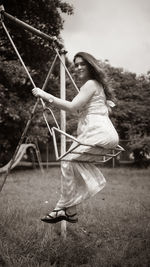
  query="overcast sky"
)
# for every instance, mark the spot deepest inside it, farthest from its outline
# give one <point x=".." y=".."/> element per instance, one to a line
<point x="117" y="30"/>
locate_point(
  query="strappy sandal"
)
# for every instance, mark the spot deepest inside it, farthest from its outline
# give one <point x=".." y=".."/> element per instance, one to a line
<point x="67" y="217"/>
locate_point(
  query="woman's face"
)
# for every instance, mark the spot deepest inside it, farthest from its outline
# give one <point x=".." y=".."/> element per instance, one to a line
<point x="81" y="69"/>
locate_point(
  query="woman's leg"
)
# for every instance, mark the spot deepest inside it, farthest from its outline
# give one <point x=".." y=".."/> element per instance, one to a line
<point x="62" y="211"/>
<point x="80" y="180"/>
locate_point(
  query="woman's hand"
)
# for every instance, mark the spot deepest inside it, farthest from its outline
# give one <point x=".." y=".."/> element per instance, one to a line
<point x="37" y="92"/>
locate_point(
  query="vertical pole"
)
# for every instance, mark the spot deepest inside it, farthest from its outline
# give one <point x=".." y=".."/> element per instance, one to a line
<point x="47" y="155"/>
<point x="63" y="123"/>
<point x="38" y="154"/>
<point x="113" y="160"/>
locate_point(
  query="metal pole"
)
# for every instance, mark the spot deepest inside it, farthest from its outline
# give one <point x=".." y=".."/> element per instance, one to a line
<point x="47" y="155"/>
<point x="63" y="123"/>
<point x="28" y="27"/>
<point x="113" y="160"/>
<point x="66" y="69"/>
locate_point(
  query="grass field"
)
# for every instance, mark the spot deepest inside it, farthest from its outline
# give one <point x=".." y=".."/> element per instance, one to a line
<point x="113" y="228"/>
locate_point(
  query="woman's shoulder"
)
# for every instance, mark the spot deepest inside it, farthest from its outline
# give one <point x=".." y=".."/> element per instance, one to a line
<point x="89" y="87"/>
<point x="96" y="86"/>
<point x="93" y="84"/>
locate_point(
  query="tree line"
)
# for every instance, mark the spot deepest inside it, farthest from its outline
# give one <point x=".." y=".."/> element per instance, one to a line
<point x="130" y="116"/>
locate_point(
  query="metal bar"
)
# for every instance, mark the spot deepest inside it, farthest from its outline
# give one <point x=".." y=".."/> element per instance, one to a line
<point x="92" y="154"/>
<point x="64" y="133"/>
<point x="47" y="155"/>
<point x="63" y="125"/>
<point x="87" y="161"/>
<point x="47" y="124"/>
<point x="20" y="58"/>
<point x="49" y="73"/>
<point x="28" y="27"/>
<point x="68" y="152"/>
<point x="55" y="144"/>
<point x="74" y="84"/>
<point x="38" y="154"/>
<point x="54" y="118"/>
<point x="16" y="50"/>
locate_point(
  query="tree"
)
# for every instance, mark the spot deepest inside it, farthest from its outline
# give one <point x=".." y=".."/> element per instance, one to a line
<point x="141" y="151"/>
<point x="131" y="114"/>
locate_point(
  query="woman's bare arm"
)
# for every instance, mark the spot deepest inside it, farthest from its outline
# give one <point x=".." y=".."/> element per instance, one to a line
<point x="85" y="94"/>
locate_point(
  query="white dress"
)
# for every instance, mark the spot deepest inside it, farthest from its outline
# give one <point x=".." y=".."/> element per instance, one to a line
<point x="81" y="179"/>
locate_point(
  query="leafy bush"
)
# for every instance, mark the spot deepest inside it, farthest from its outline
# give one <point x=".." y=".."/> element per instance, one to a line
<point x="141" y="151"/>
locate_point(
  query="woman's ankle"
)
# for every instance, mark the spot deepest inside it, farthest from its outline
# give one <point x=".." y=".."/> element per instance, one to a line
<point x="71" y="210"/>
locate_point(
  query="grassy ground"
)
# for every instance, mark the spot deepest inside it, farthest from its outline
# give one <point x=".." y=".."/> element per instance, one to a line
<point x="113" y="228"/>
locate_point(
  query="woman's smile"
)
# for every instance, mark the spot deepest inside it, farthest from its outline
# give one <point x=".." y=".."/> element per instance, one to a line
<point x="81" y="69"/>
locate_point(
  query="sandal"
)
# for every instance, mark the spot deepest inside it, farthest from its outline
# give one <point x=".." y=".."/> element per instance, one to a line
<point x="67" y="217"/>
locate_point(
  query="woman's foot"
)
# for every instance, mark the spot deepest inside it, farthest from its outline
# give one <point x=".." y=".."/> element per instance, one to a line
<point x="60" y="215"/>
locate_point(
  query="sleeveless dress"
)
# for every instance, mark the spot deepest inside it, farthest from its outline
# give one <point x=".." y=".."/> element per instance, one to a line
<point x="81" y="179"/>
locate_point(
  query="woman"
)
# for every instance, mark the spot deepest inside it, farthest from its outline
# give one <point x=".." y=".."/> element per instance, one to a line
<point x="81" y="178"/>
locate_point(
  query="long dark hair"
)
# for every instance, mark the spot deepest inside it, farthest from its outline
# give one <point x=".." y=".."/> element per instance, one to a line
<point x="96" y="72"/>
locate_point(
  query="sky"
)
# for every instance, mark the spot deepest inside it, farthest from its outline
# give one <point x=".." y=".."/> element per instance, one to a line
<point x="116" y="30"/>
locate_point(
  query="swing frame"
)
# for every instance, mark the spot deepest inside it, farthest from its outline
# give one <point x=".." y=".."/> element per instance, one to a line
<point x="52" y="130"/>
<point x="71" y="150"/>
